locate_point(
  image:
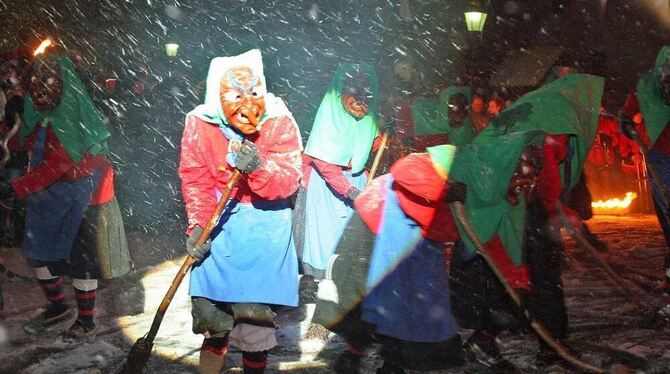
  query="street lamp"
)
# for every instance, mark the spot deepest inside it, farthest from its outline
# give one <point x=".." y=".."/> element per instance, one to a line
<point x="171" y="49"/>
<point x="475" y="17"/>
<point x="475" y="21"/>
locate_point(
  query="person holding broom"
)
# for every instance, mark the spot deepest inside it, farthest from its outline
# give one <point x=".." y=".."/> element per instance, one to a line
<point x="645" y="119"/>
<point x="73" y="222"/>
<point x="336" y="153"/>
<point x="249" y="265"/>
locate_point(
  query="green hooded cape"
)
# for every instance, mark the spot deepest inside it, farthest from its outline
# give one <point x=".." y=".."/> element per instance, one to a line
<point x="568" y="105"/>
<point x="656" y="113"/>
<point x="431" y="117"/>
<point x="337" y="137"/>
<point x="76" y="121"/>
<point x="486" y="166"/>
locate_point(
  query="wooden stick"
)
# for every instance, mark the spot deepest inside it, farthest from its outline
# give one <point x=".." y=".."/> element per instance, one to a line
<point x="378" y="157"/>
<point x="538" y="327"/>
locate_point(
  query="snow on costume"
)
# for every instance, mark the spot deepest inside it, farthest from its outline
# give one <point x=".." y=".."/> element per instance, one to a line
<point x="252" y="263"/>
<point x="395" y="284"/>
<point x="335" y="156"/>
<point x="653" y="101"/>
<point x="432" y="122"/>
<point x="565" y="110"/>
<point x="73" y="221"/>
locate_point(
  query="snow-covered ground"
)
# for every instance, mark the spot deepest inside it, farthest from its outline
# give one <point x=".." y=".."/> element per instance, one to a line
<point x="605" y="327"/>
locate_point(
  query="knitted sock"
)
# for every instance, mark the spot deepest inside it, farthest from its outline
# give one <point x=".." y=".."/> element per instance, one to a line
<point x="213" y="355"/>
<point x="53" y="289"/>
<point x="86" y="307"/>
<point x="255" y="362"/>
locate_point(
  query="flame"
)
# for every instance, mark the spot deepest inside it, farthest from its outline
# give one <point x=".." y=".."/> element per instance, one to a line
<point x="615" y="203"/>
<point x="43" y="46"/>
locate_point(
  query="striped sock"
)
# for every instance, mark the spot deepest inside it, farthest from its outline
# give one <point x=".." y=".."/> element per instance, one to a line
<point x="86" y="307"/>
<point x="53" y="289"/>
<point x="218" y="346"/>
<point x="255" y="362"/>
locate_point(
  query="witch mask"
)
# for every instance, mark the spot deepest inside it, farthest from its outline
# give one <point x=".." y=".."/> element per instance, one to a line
<point x="458" y="109"/>
<point x="242" y="95"/>
<point x="356" y="95"/>
<point x="46" y="85"/>
<point x="525" y="175"/>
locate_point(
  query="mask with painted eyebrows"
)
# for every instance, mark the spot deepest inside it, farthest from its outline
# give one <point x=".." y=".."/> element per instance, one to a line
<point x="525" y="175"/>
<point x="46" y="85"/>
<point x="242" y="96"/>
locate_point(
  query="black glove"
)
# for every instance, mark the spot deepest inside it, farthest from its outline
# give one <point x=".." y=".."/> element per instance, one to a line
<point x="456" y="191"/>
<point x="353" y="193"/>
<point x="6" y="191"/>
<point x="200" y="251"/>
<point x="628" y="127"/>
<point x="247" y="159"/>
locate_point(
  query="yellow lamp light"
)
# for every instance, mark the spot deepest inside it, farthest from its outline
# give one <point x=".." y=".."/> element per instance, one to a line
<point x="475" y="21"/>
<point x="171" y="49"/>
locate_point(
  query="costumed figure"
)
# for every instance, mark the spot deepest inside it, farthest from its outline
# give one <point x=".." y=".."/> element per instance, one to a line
<point x="394" y="286"/>
<point x="249" y="265"/>
<point x="566" y="110"/>
<point x="73" y="222"/>
<point x="339" y="145"/>
<point x="652" y="100"/>
<point x="442" y="121"/>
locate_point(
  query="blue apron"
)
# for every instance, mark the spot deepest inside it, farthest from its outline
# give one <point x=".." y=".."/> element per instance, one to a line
<point x="326" y="216"/>
<point x="408" y="282"/>
<point x="252" y="259"/>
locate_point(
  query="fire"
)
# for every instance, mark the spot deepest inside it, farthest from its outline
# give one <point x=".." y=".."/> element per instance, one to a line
<point x="43" y="46"/>
<point x="615" y="203"/>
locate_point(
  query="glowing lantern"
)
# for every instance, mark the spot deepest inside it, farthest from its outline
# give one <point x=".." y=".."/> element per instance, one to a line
<point x="42" y="47"/>
<point x="475" y="21"/>
<point x="171" y="49"/>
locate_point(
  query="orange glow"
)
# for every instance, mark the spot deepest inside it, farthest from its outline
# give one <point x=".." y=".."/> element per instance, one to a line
<point x="43" y="46"/>
<point x="615" y="203"/>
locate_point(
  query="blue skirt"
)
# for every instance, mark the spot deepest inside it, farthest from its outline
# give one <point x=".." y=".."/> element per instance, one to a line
<point x="408" y="282"/>
<point x="53" y="217"/>
<point x="326" y="215"/>
<point x="253" y="257"/>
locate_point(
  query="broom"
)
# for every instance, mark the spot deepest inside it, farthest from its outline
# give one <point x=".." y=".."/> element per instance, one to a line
<point x="141" y="350"/>
<point x="538" y="327"/>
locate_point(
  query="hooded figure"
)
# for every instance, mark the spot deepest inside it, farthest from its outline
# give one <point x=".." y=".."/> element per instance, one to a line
<point x="433" y="119"/>
<point x="338" y="148"/>
<point x="249" y="263"/>
<point x="395" y="284"/>
<point x="73" y="221"/>
<point x="523" y="248"/>
<point x="653" y="102"/>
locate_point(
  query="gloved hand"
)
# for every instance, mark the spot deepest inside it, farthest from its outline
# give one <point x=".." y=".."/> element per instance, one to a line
<point x="200" y="251"/>
<point x="353" y="193"/>
<point x="6" y="191"/>
<point x="456" y="191"/>
<point x="628" y="127"/>
<point x="247" y="159"/>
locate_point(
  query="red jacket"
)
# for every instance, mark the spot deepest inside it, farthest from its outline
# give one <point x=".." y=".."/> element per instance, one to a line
<point x="631" y="108"/>
<point x="204" y="171"/>
<point x="58" y="166"/>
<point x="420" y="192"/>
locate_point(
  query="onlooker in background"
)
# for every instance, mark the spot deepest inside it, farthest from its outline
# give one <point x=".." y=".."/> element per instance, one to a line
<point x="478" y="114"/>
<point x="494" y="107"/>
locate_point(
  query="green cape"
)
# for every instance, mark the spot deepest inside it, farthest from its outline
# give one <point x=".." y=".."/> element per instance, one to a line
<point x="431" y="117"/>
<point x="337" y="137"/>
<point x="211" y="110"/>
<point x="656" y="113"/>
<point x="568" y="105"/>
<point x="486" y="166"/>
<point x="76" y="121"/>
